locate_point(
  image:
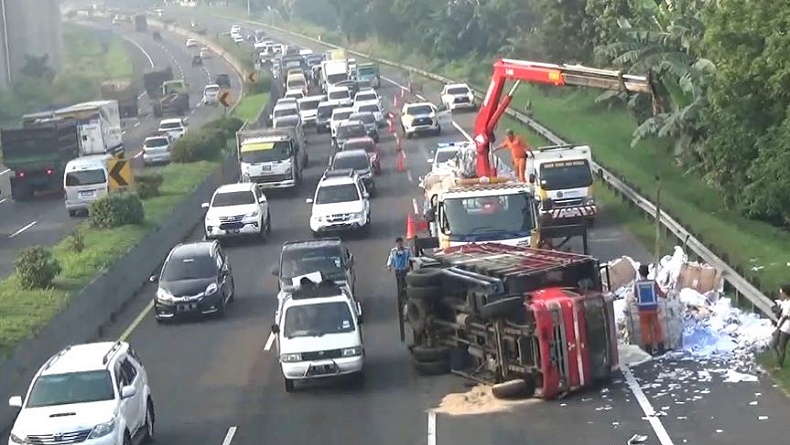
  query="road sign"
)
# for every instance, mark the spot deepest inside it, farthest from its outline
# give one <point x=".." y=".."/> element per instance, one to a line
<point x="224" y="99"/>
<point x="120" y="173"/>
<point x="251" y="77"/>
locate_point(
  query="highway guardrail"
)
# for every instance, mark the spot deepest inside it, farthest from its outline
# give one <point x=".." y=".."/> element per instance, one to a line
<point x="736" y="284"/>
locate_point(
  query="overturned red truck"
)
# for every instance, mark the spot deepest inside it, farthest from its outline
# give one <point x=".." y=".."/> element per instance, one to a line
<point x="532" y="322"/>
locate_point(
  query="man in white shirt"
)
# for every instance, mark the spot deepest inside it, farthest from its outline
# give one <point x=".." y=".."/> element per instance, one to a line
<point x="782" y="334"/>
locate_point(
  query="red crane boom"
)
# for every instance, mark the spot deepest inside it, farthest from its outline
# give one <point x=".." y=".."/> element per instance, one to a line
<point x="494" y="106"/>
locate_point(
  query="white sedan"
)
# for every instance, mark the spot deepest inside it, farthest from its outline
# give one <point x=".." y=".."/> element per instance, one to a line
<point x="191" y="43"/>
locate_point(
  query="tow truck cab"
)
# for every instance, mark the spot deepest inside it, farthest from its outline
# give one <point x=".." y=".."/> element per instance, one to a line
<point x="561" y="178"/>
<point x="507" y="313"/>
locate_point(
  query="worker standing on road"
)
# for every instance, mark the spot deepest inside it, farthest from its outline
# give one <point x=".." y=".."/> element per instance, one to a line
<point x="647" y="294"/>
<point x="519" y="150"/>
<point x="782" y="334"/>
<point x="399" y="259"/>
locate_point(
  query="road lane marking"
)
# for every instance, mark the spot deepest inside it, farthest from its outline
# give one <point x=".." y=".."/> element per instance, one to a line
<point x="3" y="200"/>
<point x="145" y="53"/>
<point x="431" y="427"/>
<point x="647" y="408"/>
<point x="409" y="177"/>
<point x="269" y="342"/>
<point x="229" y="436"/>
<point x="18" y="232"/>
<point x="136" y="322"/>
<point x="5" y="171"/>
<point x="415" y="206"/>
<point x="137" y="124"/>
<point x="139" y="153"/>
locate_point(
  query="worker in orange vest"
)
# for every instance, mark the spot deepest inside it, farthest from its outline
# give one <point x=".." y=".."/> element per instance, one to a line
<point x="647" y="294"/>
<point x="519" y="150"/>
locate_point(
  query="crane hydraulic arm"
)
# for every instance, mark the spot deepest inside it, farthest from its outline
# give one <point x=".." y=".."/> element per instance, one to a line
<point x="494" y="106"/>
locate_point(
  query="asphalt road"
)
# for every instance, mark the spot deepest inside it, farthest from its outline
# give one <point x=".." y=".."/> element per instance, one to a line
<point x="45" y="221"/>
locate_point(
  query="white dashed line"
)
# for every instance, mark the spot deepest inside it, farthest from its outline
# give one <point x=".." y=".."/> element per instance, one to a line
<point x="18" y="232"/>
<point x="415" y="206"/>
<point x="431" y="427"/>
<point x="269" y="342"/>
<point x="647" y="408"/>
<point x="409" y="177"/>
<point x="229" y="436"/>
<point x="3" y="200"/>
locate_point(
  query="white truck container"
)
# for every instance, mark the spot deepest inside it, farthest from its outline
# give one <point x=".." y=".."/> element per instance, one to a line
<point x="269" y="158"/>
<point x="98" y="124"/>
<point x="333" y="71"/>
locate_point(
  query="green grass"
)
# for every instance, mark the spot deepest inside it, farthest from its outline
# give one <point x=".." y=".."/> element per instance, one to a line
<point x="250" y="106"/>
<point x="85" y="55"/>
<point x="757" y="250"/>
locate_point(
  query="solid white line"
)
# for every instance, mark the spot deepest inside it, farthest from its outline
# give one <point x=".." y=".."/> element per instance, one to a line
<point x="647" y="408"/>
<point x="136" y="322"/>
<point x="409" y="177"/>
<point x="140" y="153"/>
<point x="5" y="171"/>
<point x="269" y="342"/>
<point x="145" y="53"/>
<point x="229" y="436"/>
<point x="431" y="427"/>
<point x="13" y="235"/>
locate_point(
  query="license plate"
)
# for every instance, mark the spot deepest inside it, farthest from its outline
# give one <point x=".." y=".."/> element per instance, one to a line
<point x="234" y="231"/>
<point x="266" y="168"/>
<point x="186" y="307"/>
<point x="86" y="194"/>
<point x="322" y="369"/>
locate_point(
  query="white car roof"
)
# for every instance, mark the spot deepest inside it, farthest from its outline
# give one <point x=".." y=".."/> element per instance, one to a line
<point x="338" y="88"/>
<point x="337" y="180"/>
<point x="285" y="105"/>
<point x="418" y="104"/>
<point x="319" y="98"/>
<point x="367" y="92"/>
<point x="80" y="358"/>
<point x="236" y="187"/>
<point x="212" y="86"/>
<point x="343" y="110"/>
<point x="457" y="85"/>
<point x="174" y="120"/>
<point x="299" y="92"/>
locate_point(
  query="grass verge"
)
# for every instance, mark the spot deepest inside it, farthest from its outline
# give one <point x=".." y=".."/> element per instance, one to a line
<point x="757" y="250"/>
<point x="250" y="106"/>
<point x="23" y="312"/>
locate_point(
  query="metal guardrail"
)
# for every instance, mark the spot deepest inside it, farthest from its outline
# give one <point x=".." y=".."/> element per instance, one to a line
<point x="740" y="285"/>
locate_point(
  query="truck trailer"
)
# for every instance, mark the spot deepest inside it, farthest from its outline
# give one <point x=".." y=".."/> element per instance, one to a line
<point x="123" y="91"/>
<point x="99" y="126"/>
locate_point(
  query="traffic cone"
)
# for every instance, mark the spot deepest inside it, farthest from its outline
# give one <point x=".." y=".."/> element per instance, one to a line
<point x="395" y="101"/>
<point x="401" y="167"/>
<point x="410" y="227"/>
<point x="390" y="127"/>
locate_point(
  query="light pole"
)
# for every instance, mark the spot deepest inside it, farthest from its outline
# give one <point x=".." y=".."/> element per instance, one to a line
<point x="249" y="9"/>
<point x="7" y="45"/>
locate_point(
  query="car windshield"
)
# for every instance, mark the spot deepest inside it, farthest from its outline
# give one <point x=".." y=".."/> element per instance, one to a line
<point x="445" y="155"/>
<point x="289" y="111"/>
<point x="306" y="105"/>
<point x="328" y="260"/>
<point x="369" y="108"/>
<point x="564" y="175"/>
<point x="331" y="194"/>
<point x="191" y="268"/>
<point x="155" y="142"/>
<point x="72" y="387"/>
<point x="335" y="78"/>
<point x="170" y="126"/>
<point x="340" y="94"/>
<point x="211" y="90"/>
<point x="85" y="177"/>
<point x="325" y="111"/>
<point x="368" y="146"/>
<point x="316" y="320"/>
<point x="341" y="115"/>
<point x="296" y="83"/>
<point x="366" y="97"/>
<point x="223" y="78"/>
<point x="354" y="162"/>
<point x="295" y="95"/>
<point x="419" y="110"/>
<point x="265" y="152"/>
<point x="490" y="214"/>
<point x="350" y="131"/>
<point x="227" y="199"/>
<point x="286" y="122"/>
<point x="365" y="118"/>
<point x="457" y="91"/>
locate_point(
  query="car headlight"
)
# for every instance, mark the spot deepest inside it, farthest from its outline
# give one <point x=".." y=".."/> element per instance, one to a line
<point x="164" y="295"/>
<point x="211" y="289"/>
<point x="360" y="215"/>
<point x="352" y="352"/>
<point x="318" y="218"/>
<point x="290" y="358"/>
<point x="18" y="438"/>
<point x="252" y="214"/>
<point x="288" y="171"/>
<point x="102" y="430"/>
<point x="589" y="201"/>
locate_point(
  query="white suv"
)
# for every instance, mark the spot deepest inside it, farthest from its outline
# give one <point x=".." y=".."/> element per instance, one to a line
<point x="175" y="127"/>
<point x="94" y="394"/>
<point x="458" y="96"/>
<point x="339" y="115"/>
<point x="422" y="117"/>
<point x="237" y="210"/>
<point x="341" y="203"/>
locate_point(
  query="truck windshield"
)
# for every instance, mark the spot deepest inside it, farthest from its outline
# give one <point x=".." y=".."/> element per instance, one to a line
<point x="335" y="78"/>
<point x="327" y="260"/>
<point x="360" y="162"/>
<point x="331" y="194"/>
<point x="315" y="320"/>
<point x="279" y="151"/>
<point x="563" y="175"/>
<point x="489" y="214"/>
<point x="366" y="71"/>
<point x="339" y="94"/>
<point x="85" y="177"/>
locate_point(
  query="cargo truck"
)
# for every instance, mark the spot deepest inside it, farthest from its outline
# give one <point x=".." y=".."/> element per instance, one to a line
<point x="98" y="125"/>
<point x="37" y="154"/>
<point x="369" y="72"/>
<point x="125" y="93"/>
<point x="154" y="79"/>
<point x="140" y="23"/>
<point x="269" y="157"/>
<point x="173" y="99"/>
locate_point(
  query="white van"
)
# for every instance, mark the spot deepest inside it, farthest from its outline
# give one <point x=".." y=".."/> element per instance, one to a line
<point x="86" y="180"/>
<point x="296" y="81"/>
<point x="318" y="330"/>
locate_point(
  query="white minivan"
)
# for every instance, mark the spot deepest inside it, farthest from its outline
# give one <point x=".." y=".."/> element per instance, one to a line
<point x="318" y="330"/>
<point x="86" y="180"/>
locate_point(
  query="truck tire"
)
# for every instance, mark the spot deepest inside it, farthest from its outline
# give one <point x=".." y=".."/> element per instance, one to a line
<point x="422" y="353"/>
<point x="426" y="293"/>
<point x="514" y="389"/>
<point x="426" y="276"/>
<point x="439" y="367"/>
<point x="417" y="315"/>
<point x="157" y="110"/>
<point x="501" y="308"/>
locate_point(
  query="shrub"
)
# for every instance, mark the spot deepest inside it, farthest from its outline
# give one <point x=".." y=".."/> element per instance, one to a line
<point x="116" y="210"/>
<point x="77" y="240"/>
<point x="204" y="145"/>
<point x="36" y="268"/>
<point x="262" y="85"/>
<point x="148" y="185"/>
<point x="228" y="125"/>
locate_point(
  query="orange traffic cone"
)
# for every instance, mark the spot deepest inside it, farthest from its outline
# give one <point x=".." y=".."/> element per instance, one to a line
<point x="401" y="167"/>
<point x="409" y="227"/>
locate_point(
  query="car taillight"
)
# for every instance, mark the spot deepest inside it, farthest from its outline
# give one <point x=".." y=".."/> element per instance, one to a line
<point x="50" y="172"/>
<point x="20" y="174"/>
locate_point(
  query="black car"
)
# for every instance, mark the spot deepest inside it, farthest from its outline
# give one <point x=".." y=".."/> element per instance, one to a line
<point x="348" y="130"/>
<point x="357" y="160"/>
<point x="157" y="36"/>
<point x="197" y="60"/>
<point x="223" y="80"/>
<point x="196" y="279"/>
<point x="329" y="256"/>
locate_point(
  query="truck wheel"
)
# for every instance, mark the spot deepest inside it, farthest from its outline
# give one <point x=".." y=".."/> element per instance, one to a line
<point x="501" y="308"/>
<point x="424" y="354"/>
<point x="439" y="367"/>
<point x="268" y="224"/>
<point x="289" y="384"/>
<point x="417" y="315"/>
<point x="514" y="389"/>
<point x="426" y="276"/>
<point x="72" y="213"/>
<point x="424" y="293"/>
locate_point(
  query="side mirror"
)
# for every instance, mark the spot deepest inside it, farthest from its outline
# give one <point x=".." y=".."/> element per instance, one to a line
<point x="153" y="278"/>
<point x="531" y="178"/>
<point x="262" y="199"/>
<point x="430" y="161"/>
<point x="275" y="329"/>
<point x="360" y="319"/>
<point x="275" y="271"/>
<point x="430" y="215"/>
<point x="15" y="402"/>
<point x="128" y="391"/>
<point x="309" y="200"/>
<point x="205" y="205"/>
<point x="366" y="195"/>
